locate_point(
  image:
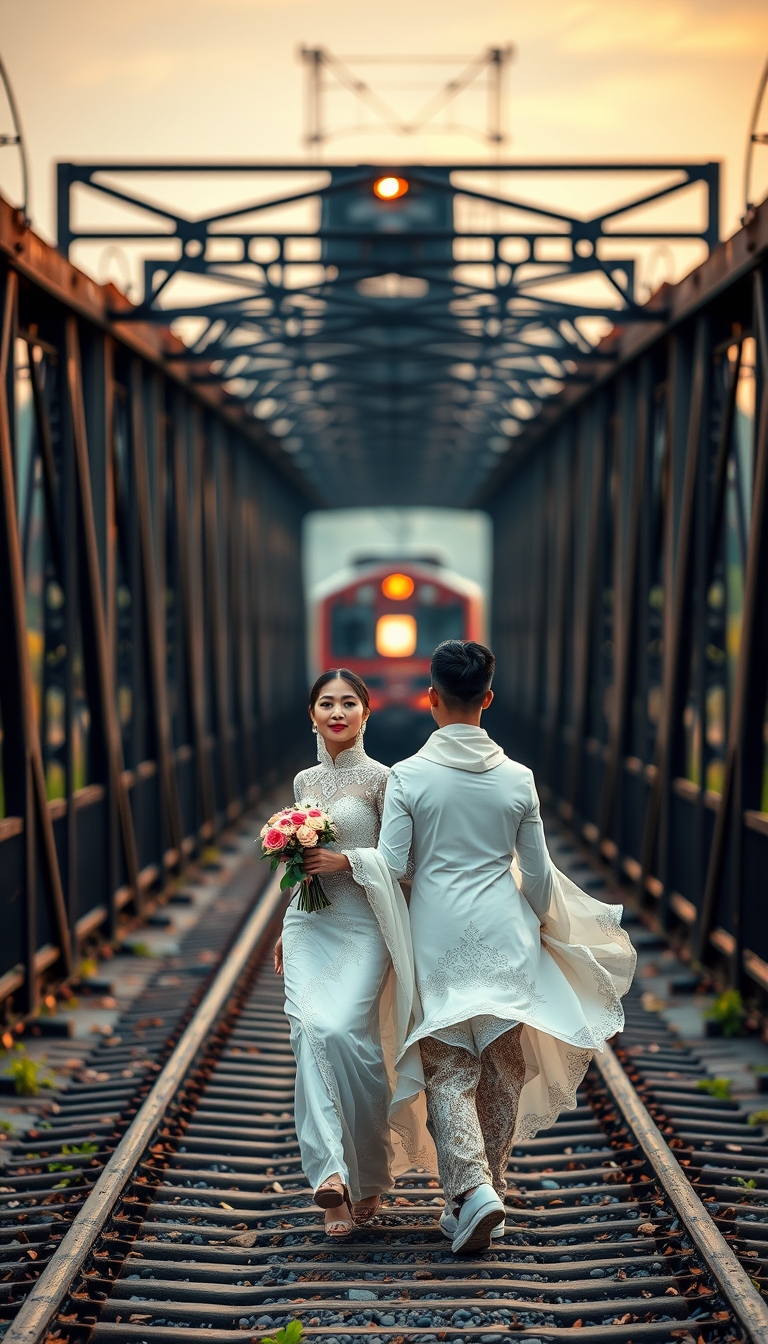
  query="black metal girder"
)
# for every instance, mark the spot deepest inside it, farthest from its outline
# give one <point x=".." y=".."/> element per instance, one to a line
<point x="410" y="339"/>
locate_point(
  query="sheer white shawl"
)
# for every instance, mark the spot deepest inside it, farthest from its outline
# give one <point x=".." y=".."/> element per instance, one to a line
<point x="584" y="937"/>
<point x="399" y="1013"/>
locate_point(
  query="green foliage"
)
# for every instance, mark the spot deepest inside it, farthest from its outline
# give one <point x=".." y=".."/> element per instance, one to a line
<point x="6" y="1127"/>
<point x="26" y="1074"/>
<point x="290" y="1335"/>
<point x="716" y="1087"/>
<point x="745" y="1185"/>
<point x="728" y="1011"/>
<point x="73" y="1150"/>
<point x="139" y="949"/>
<point x="294" y="873"/>
<point x="758" y="1118"/>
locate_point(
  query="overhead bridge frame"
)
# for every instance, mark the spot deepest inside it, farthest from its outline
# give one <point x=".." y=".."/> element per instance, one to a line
<point x="152" y="675"/>
<point x="407" y="342"/>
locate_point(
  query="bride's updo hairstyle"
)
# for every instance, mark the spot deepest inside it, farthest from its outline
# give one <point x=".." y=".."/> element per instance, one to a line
<point x="462" y="671"/>
<point x="357" y="684"/>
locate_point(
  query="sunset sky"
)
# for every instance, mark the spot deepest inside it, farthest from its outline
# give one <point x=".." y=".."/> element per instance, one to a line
<point x="220" y="78"/>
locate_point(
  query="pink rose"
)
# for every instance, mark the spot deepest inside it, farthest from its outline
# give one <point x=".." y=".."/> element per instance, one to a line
<point x="285" y="824"/>
<point x="315" y="812"/>
<point x="298" y="818"/>
<point x="275" y="839"/>
<point x="306" y="836"/>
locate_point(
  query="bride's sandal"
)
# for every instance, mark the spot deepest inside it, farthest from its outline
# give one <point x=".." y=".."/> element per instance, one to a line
<point x="339" y="1229"/>
<point x="363" y="1212"/>
<point x="331" y="1194"/>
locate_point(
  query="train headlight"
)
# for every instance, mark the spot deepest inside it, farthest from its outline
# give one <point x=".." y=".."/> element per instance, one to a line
<point x="396" y="636"/>
<point x="397" y="587"/>
<point x="389" y="188"/>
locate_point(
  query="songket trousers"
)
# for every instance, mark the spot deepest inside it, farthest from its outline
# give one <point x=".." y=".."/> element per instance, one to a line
<point x="472" y="1106"/>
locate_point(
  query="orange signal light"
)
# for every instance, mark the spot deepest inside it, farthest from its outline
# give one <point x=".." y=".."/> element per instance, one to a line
<point x="398" y="587"/>
<point x="389" y="188"/>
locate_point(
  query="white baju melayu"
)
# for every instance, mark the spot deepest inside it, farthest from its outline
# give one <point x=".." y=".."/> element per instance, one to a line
<point x="349" y="995"/>
<point x="500" y="937"/>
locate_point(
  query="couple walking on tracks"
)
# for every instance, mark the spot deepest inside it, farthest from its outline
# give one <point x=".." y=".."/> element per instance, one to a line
<point x="433" y="1033"/>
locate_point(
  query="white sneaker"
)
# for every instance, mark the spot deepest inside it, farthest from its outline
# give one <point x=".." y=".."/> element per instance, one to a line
<point x="479" y="1214"/>
<point x="449" y="1224"/>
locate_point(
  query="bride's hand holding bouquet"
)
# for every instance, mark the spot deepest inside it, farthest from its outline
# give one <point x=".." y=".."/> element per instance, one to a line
<point x="295" y="836"/>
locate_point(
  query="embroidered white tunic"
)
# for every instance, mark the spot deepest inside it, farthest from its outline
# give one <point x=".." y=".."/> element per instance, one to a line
<point x="349" y="988"/>
<point x="498" y="942"/>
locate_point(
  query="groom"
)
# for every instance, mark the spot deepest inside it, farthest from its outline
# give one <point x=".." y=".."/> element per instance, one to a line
<point x="465" y="808"/>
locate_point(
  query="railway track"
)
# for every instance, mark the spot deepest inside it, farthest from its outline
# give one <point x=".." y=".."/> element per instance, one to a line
<point x="200" y="1224"/>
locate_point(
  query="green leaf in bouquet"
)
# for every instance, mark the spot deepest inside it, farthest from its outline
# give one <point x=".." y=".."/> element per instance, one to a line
<point x="294" y="873"/>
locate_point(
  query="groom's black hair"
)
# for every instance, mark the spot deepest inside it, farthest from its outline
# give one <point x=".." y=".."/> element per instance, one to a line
<point x="462" y="672"/>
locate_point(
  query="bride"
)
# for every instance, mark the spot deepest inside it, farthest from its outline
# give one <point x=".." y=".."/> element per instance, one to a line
<point x="349" y="983"/>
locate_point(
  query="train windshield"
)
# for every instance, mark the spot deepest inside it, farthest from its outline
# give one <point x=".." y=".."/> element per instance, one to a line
<point x="436" y="624"/>
<point x="353" y="632"/>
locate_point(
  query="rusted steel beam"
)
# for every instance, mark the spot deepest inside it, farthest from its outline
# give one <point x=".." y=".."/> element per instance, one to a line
<point x="94" y="612"/>
<point x="586" y="598"/>
<point x="728" y="264"/>
<point x="216" y="633"/>
<point x="625" y="609"/>
<point x="190" y="613"/>
<point x="749" y="691"/>
<point x="36" y="804"/>
<point x="679" y="551"/>
<point x="155" y="612"/>
<point x="43" y="428"/>
<point x="35" y="260"/>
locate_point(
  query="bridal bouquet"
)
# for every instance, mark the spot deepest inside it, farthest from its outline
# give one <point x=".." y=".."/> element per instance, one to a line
<point x="283" y="840"/>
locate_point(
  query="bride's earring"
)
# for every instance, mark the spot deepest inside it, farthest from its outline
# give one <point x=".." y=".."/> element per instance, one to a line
<point x="364" y="726"/>
<point x="314" y="729"/>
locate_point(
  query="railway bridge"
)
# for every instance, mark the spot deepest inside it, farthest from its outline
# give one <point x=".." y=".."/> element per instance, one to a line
<point x="362" y="336"/>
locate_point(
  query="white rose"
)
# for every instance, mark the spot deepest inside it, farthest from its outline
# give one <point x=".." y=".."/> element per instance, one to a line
<point x="306" y="836"/>
<point x="317" y="823"/>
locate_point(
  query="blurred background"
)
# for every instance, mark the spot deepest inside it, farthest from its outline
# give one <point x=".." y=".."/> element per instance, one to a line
<point x="218" y="78"/>
<point x="257" y="80"/>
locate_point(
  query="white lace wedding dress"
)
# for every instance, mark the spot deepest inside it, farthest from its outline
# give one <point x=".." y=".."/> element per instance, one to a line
<point x="349" y="995"/>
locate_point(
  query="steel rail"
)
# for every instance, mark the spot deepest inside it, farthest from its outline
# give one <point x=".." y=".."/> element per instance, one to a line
<point x="49" y="1293"/>
<point x="56" y="1280"/>
<point x="747" y="1302"/>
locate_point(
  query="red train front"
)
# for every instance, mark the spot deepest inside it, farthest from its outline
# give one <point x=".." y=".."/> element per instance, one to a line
<point x="384" y="622"/>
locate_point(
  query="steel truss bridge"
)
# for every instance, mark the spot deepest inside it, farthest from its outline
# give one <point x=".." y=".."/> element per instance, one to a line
<point x="395" y="328"/>
<point x="444" y="346"/>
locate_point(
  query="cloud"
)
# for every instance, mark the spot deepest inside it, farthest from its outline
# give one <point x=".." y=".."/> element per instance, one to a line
<point x="146" y="70"/>
<point x="662" y="27"/>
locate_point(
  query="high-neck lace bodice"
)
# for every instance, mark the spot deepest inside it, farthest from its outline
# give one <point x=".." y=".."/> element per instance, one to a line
<point x="351" y="788"/>
<point x="345" y="760"/>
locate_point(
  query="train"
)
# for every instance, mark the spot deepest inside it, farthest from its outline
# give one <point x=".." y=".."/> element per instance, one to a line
<point x="382" y="618"/>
